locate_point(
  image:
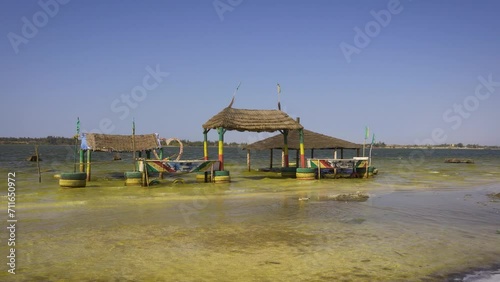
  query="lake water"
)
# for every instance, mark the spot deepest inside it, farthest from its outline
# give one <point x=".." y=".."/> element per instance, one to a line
<point x="425" y="220"/>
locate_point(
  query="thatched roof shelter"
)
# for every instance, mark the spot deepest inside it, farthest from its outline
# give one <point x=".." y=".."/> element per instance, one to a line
<point x="120" y="143"/>
<point x="252" y="120"/>
<point x="314" y="141"/>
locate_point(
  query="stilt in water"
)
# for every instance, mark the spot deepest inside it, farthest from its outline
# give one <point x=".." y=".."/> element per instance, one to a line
<point x="38" y="164"/>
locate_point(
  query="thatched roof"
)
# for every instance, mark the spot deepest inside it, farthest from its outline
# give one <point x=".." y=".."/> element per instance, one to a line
<point x="314" y="141"/>
<point x="252" y="120"/>
<point x="119" y="143"/>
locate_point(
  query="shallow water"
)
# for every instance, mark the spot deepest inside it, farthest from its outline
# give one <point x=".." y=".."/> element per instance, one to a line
<point x="424" y="220"/>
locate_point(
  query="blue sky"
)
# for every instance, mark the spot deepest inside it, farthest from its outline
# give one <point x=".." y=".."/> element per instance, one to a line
<point x="427" y="73"/>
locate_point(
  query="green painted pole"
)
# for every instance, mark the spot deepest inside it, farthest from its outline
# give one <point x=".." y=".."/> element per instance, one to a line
<point x="82" y="160"/>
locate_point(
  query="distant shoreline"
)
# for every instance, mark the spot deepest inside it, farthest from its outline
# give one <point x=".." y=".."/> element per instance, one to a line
<point x="60" y="140"/>
<point x="439" y="148"/>
<point x="187" y="143"/>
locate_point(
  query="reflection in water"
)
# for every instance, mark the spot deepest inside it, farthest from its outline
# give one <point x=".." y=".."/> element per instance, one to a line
<point x="422" y="224"/>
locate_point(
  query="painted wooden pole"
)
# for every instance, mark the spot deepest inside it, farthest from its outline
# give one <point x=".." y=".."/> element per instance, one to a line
<point x="285" y="148"/>
<point x="205" y="145"/>
<point x="221" y="131"/>
<point x="161" y="158"/>
<point x="89" y="164"/>
<point x="302" y="153"/>
<point x="82" y="160"/>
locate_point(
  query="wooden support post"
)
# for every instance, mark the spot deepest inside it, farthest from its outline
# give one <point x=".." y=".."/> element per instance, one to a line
<point x="341" y="153"/>
<point x="145" y="176"/>
<point x="89" y="164"/>
<point x="285" y="148"/>
<point x="271" y="159"/>
<point x="136" y="168"/>
<point x="139" y="156"/>
<point x="38" y="164"/>
<point x="248" y="160"/>
<point x="147" y="173"/>
<point x="319" y="169"/>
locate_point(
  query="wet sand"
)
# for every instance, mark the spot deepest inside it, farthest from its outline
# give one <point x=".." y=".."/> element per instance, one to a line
<point x="434" y="222"/>
<point x="259" y="231"/>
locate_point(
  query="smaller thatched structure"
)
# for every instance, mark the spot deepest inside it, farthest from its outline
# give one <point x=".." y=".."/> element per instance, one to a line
<point x="120" y="143"/>
<point x="315" y="141"/>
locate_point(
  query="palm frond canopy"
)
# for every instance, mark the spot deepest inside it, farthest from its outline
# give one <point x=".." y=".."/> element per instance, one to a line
<point x="314" y="141"/>
<point x="119" y="143"/>
<point x="252" y="120"/>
